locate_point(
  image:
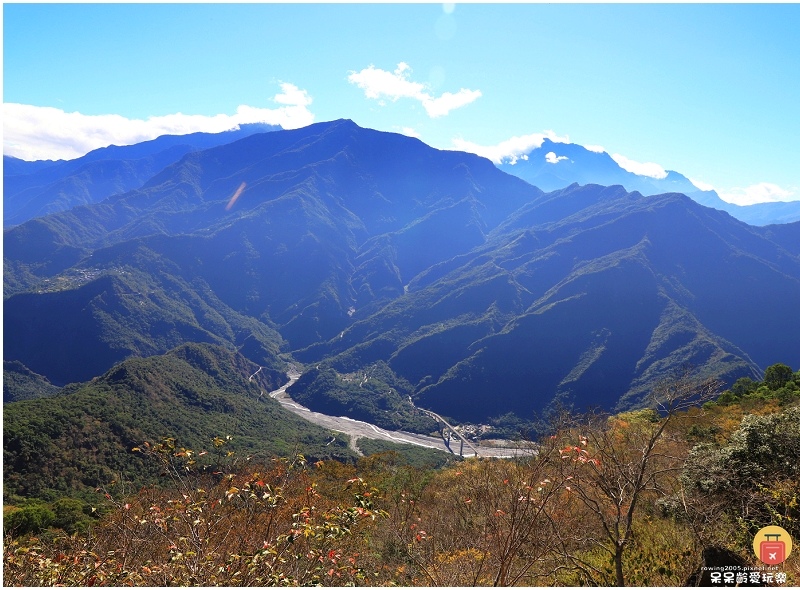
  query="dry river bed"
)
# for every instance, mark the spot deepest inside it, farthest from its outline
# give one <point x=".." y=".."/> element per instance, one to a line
<point x="356" y="429"/>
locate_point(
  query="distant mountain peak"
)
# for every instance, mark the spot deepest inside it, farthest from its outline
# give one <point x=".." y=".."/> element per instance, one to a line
<point x="336" y="124"/>
<point x="555" y="165"/>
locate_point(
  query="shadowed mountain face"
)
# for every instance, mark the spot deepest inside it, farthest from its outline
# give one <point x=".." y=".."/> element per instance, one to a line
<point x="348" y="246"/>
<point x="592" y="307"/>
<point x="331" y="217"/>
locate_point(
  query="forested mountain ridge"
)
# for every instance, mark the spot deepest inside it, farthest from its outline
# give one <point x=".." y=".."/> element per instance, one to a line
<point x="358" y="246"/>
<point x="590" y="305"/>
<point x="82" y="438"/>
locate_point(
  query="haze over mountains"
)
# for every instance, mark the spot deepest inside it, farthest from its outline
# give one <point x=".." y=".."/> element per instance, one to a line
<point x="33" y="189"/>
<point x="556" y="165"/>
<point x="347" y="246"/>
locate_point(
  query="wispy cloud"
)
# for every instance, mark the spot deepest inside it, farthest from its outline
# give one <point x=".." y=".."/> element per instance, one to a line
<point x="763" y="192"/>
<point x="379" y="85"/>
<point x="552" y="158"/>
<point x="293" y="96"/>
<point x="650" y="169"/>
<point x="703" y="186"/>
<point x="597" y="149"/>
<point x="510" y="150"/>
<point x="47" y="133"/>
<point x="410" y="131"/>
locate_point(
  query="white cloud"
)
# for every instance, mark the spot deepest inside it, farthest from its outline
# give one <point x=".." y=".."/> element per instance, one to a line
<point x="597" y="149"/>
<point x="47" y="133"/>
<point x="703" y="186"/>
<point x="650" y="169"/>
<point x="763" y="192"/>
<point x="438" y="107"/>
<point x="379" y="84"/>
<point x="551" y="158"/>
<point x="293" y="96"/>
<point x="510" y="150"/>
<point x="410" y="131"/>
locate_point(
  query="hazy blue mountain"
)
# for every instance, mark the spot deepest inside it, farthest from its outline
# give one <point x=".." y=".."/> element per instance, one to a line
<point x="14" y="166"/>
<point x="484" y="293"/>
<point x="785" y="235"/>
<point x="33" y="189"/>
<point x="555" y="165"/>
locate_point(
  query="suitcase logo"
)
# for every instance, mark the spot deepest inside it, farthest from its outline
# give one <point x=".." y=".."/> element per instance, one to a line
<point x="772" y="545"/>
<point x="773" y="550"/>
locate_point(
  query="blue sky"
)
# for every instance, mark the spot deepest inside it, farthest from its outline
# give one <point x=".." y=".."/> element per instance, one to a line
<point x="711" y="91"/>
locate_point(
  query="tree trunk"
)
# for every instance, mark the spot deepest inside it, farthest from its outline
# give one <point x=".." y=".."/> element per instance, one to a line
<point x="618" y="566"/>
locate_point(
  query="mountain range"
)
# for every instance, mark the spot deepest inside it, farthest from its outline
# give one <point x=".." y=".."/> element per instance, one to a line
<point x="33" y="189"/>
<point x="343" y="247"/>
<point x="555" y="165"/>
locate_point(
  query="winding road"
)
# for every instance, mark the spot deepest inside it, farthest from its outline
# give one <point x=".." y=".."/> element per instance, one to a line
<point x="356" y="429"/>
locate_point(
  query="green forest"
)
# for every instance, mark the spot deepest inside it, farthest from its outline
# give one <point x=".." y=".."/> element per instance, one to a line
<point x="642" y="498"/>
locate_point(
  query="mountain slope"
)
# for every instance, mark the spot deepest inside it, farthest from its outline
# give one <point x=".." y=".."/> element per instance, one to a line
<point x="33" y="189"/>
<point x="131" y="302"/>
<point x="20" y="383"/>
<point x="326" y="211"/>
<point x="594" y="307"/>
<point x="83" y="438"/>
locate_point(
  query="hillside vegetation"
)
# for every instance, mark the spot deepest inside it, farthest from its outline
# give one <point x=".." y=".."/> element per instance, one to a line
<point x="634" y="498"/>
<point x="82" y="438"/>
<point x="78" y="324"/>
<point x="20" y="383"/>
<point x="375" y="395"/>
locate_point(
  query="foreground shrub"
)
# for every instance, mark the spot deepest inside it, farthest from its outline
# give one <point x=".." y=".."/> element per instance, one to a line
<point x="28" y="520"/>
<point x="251" y="526"/>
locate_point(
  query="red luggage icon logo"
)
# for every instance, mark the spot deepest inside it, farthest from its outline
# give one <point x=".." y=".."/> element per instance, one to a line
<point x="772" y="545"/>
<point x="773" y="550"/>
